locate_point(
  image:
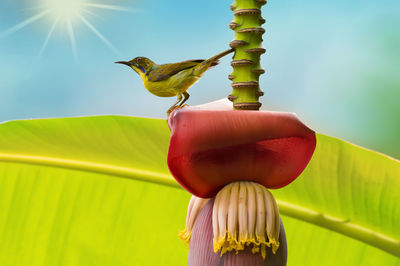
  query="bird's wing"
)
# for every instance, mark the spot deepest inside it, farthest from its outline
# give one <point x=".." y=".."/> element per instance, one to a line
<point x="163" y="72"/>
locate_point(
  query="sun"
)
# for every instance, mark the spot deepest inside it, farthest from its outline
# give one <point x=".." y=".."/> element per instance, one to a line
<point x="65" y="10"/>
<point x="61" y="13"/>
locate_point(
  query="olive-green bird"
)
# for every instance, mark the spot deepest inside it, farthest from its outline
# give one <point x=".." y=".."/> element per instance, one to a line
<point x="172" y="79"/>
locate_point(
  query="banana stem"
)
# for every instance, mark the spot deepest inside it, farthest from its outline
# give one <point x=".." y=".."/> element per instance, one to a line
<point x="246" y="61"/>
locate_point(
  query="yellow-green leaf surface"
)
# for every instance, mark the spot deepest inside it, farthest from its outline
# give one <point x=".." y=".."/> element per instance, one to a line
<point x="97" y="191"/>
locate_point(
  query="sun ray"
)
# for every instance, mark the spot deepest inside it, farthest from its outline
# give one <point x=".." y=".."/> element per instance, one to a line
<point x="72" y="38"/>
<point x="109" y="7"/>
<point x="47" y="38"/>
<point x="100" y="36"/>
<point x="91" y="13"/>
<point x="23" y="24"/>
<point x="67" y="14"/>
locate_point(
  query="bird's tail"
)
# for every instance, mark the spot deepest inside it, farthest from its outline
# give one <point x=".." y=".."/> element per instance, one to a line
<point x="220" y="55"/>
<point x="201" y="68"/>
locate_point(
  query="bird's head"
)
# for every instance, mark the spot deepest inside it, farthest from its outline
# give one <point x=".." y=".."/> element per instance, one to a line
<point x="141" y="65"/>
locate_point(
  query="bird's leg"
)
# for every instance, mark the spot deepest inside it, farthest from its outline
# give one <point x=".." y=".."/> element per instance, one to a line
<point x="186" y="96"/>
<point x="175" y="104"/>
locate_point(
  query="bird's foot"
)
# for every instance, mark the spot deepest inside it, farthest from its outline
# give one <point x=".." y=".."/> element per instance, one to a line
<point x="170" y="110"/>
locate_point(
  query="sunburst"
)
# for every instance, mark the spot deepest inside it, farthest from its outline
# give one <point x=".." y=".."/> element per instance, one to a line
<point x="67" y="14"/>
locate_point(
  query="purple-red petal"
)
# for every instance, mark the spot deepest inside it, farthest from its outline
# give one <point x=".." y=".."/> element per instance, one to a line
<point x="209" y="149"/>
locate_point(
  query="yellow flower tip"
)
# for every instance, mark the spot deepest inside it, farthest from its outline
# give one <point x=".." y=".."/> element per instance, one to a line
<point x="274" y="244"/>
<point x="185" y="235"/>
<point x="220" y="242"/>
<point x="215" y="246"/>
<point x="255" y="249"/>
<point x="275" y="247"/>
<point x="230" y="237"/>
<point x="263" y="252"/>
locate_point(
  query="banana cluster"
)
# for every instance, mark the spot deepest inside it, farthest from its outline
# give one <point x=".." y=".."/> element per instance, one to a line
<point x="244" y="214"/>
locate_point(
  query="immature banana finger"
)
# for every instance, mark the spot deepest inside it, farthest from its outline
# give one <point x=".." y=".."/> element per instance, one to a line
<point x="270" y="209"/>
<point x="261" y="214"/>
<point x="215" y="221"/>
<point x="242" y="211"/>
<point x="223" y="212"/>
<point x="189" y="210"/>
<point x="233" y="213"/>
<point x="252" y="210"/>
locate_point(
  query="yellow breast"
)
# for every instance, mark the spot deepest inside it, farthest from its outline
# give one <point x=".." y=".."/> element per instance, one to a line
<point x="172" y="86"/>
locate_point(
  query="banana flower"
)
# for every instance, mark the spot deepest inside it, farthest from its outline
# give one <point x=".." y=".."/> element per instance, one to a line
<point x="228" y="160"/>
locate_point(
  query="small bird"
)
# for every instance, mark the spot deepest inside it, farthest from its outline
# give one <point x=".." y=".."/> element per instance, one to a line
<point x="172" y="79"/>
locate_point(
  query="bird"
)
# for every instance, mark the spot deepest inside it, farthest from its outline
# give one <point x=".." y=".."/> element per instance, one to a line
<point x="173" y="79"/>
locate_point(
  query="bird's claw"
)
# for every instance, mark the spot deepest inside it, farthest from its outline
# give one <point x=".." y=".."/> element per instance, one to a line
<point x="170" y="110"/>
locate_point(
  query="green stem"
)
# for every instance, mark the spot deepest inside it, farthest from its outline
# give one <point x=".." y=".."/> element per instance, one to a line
<point x="246" y="61"/>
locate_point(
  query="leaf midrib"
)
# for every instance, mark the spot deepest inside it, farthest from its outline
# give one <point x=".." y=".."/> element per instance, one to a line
<point x="347" y="228"/>
<point x="89" y="166"/>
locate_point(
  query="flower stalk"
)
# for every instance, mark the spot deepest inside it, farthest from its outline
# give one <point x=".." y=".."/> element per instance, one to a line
<point x="246" y="61"/>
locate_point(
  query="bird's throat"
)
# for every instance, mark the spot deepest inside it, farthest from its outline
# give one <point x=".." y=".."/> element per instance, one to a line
<point x="140" y="70"/>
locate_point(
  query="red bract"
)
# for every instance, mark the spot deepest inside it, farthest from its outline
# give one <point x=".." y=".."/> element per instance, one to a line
<point x="209" y="149"/>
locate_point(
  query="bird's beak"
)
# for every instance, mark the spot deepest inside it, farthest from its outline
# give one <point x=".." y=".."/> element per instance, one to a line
<point x="124" y="63"/>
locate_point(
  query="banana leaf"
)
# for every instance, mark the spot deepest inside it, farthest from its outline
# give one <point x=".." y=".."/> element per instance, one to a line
<point x="97" y="191"/>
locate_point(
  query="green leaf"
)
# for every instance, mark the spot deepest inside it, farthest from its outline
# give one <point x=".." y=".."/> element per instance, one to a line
<point x="72" y="193"/>
<point x="346" y="206"/>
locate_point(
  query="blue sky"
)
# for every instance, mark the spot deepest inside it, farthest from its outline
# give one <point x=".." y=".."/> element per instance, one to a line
<point x="334" y="63"/>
